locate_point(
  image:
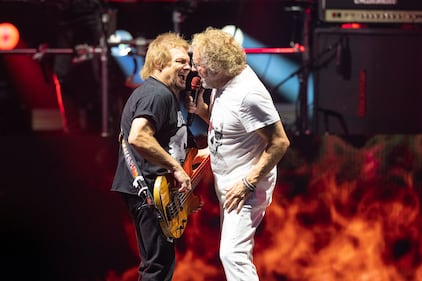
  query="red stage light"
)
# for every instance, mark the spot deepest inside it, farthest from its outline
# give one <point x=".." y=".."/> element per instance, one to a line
<point x="352" y="26"/>
<point x="9" y="36"/>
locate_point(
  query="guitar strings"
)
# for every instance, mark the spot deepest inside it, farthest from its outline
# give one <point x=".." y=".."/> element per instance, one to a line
<point x="182" y="197"/>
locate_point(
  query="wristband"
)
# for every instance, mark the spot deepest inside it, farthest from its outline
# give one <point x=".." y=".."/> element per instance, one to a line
<point x="251" y="187"/>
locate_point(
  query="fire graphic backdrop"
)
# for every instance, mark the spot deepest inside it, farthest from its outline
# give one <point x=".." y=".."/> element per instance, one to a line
<point x="345" y="209"/>
<point x="340" y="212"/>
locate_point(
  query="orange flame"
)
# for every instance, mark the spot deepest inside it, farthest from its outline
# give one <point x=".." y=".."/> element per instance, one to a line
<point x="349" y="213"/>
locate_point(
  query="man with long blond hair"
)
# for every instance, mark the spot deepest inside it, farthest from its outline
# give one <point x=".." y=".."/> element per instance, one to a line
<point x="152" y="124"/>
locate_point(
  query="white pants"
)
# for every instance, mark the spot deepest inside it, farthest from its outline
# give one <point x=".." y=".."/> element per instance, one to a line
<point x="237" y="241"/>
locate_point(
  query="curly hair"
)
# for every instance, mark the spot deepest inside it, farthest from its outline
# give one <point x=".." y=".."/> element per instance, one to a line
<point x="219" y="51"/>
<point x="158" y="53"/>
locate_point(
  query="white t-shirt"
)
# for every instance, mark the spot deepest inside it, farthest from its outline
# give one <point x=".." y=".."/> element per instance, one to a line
<point x="241" y="107"/>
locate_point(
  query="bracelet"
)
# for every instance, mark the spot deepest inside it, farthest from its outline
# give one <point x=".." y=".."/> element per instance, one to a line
<point x="251" y="187"/>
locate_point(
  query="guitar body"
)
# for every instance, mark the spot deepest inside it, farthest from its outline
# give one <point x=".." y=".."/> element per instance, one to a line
<point x="176" y="206"/>
<point x="169" y="201"/>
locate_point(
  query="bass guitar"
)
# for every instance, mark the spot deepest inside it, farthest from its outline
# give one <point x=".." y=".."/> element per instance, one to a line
<point x="175" y="206"/>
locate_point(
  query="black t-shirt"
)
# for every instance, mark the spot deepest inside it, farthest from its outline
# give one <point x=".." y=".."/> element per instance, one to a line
<point x="154" y="101"/>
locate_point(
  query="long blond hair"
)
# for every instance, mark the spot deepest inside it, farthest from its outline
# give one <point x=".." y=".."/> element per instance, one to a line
<point x="158" y="53"/>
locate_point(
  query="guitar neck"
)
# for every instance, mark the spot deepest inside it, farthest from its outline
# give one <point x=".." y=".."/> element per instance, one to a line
<point x="196" y="176"/>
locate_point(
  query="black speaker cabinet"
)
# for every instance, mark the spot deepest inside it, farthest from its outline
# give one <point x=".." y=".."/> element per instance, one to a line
<point x="367" y="81"/>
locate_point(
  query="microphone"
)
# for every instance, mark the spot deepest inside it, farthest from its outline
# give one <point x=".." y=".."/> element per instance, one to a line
<point x="343" y="59"/>
<point x="195" y="85"/>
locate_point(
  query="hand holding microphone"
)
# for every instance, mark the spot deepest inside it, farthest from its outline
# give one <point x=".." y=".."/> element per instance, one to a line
<point x="191" y="100"/>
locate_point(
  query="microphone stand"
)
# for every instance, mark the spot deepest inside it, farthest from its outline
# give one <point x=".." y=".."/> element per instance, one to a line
<point x="82" y="52"/>
<point x="302" y="119"/>
<point x="302" y="72"/>
<point x="105" y="132"/>
<point x="308" y="64"/>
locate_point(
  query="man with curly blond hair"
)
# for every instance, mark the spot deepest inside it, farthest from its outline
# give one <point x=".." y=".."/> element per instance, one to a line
<point x="246" y="140"/>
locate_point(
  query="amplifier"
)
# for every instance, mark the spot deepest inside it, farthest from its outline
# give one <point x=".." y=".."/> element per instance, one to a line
<point x="371" y="11"/>
<point x="382" y="91"/>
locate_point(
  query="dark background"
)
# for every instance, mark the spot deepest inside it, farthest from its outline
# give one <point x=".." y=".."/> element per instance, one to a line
<point x="270" y="22"/>
<point x="267" y="21"/>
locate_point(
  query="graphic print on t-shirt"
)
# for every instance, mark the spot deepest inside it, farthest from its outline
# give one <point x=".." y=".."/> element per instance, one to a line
<point x="215" y="138"/>
<point x="178" y="142"/>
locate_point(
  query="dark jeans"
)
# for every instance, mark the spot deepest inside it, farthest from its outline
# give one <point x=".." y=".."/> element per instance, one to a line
<point x="158" y="257"/>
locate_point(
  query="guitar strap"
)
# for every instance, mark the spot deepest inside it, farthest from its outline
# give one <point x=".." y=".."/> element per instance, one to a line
<point x="138" y="179"/>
